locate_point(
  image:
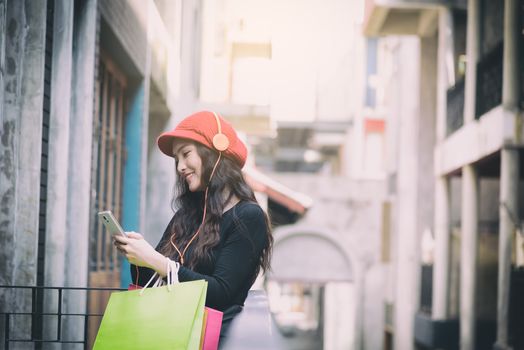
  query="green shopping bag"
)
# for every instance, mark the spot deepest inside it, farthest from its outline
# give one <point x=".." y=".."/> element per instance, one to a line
<point x="168" y="317"/>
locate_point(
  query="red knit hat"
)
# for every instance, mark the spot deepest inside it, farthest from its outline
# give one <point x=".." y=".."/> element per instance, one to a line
<point x="202" y="127"/>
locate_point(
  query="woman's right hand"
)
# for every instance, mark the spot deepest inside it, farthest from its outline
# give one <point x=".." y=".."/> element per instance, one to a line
<point x="139" y="252"/>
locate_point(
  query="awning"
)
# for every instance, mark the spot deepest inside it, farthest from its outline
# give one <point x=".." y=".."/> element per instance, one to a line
<point x="293" y="200"/>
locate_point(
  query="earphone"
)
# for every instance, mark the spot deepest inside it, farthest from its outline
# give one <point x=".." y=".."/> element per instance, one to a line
<point x="220" y="140"/>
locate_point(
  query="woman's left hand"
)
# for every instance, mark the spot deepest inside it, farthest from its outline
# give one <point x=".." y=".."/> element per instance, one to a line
<point x="137" y="250"/>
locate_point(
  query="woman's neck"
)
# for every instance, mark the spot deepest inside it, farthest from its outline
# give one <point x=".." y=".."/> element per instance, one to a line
<point x="232" y="201"/>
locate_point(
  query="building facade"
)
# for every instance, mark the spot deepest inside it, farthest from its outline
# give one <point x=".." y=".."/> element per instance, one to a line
<point x="81" y="83"/>
<point x="458" y="282"/>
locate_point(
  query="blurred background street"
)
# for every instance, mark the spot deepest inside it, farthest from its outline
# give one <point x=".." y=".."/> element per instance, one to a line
<point x="386" y="143"/>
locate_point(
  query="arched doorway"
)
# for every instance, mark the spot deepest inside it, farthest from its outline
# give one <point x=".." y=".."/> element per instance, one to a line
<point x="311" y="289"/>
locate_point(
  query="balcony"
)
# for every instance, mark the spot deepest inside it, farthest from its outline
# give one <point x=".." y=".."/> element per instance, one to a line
<point x="489" y="81"/>
<point x="455" y="107"/>
<point x="404" y="17"/>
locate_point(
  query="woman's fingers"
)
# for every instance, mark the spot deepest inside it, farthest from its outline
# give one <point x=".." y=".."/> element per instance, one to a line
<point x="120" y="247"/>
<point x="120" y="239"/>
<point x="135" y="248"/>
<point x="135" y="235"/>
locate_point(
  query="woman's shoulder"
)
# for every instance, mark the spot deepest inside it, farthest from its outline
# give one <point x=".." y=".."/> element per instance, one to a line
<point x="248" y="219"/>
<point x="244" y="214"/>
<point x="247" y="209"/>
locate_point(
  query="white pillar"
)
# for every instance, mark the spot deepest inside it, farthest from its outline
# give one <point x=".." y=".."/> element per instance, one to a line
<point x="469" y="254"/>
<point x="442" y="249"/>
<point x="508" y="212"/>
<point x="445" y="69"/>
<point x="445" y="78"/>
<point x="79" y="175"/>
<point x="407" y="246"/>
<point x="59" y="143"/>
<point x="56" y="235"/>
<point x="470" y="189"/>
<point x="509" y="172"/>
<point x="472" y="53"/>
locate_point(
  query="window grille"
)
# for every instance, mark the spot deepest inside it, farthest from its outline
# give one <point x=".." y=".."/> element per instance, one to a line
<point x="109" y="138"/>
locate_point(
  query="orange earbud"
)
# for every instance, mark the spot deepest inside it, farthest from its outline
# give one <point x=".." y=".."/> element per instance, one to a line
<point x="220" y="140"/>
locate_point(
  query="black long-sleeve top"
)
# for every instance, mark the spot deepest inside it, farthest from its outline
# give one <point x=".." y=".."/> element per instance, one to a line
<point x="232" y="269"/>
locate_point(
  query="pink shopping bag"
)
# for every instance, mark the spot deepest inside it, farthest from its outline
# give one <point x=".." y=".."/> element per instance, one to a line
<point x="212" y="329"/>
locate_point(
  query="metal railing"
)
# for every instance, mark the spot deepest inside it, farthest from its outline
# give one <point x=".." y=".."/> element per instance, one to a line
<point x="516" y="314"/>
<point x="253" y="328"/>
<point x="455" y="107"/>
<point x="489" y="81"/>
<point x="426" y="289"/>
<point x="32" y="320"/>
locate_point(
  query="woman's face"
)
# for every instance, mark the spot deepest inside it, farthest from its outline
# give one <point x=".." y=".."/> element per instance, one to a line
<point x="188" y="164"/>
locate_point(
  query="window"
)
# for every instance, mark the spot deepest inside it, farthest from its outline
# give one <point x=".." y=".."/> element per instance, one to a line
<point x="371" y="73"/>
<point x="110" y="154"/>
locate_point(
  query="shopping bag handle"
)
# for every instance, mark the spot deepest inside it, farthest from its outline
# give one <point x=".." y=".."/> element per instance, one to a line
<point x="172" y="272"/>
<point x="172" y="268"/>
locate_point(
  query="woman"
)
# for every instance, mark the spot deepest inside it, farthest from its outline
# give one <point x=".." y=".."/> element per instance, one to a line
<point x="218" y="232"/>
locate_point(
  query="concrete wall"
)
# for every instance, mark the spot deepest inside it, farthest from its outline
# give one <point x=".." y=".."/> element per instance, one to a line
<point x="21" y="111"/>
<point x="21" y="138"/>
<point x="352" y="211"/>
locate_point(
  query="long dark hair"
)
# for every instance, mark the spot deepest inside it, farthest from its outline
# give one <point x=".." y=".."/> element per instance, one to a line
<point x="189" y="207"/>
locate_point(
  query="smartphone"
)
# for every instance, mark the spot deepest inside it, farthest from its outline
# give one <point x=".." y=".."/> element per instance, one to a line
<point x="112" y="226"/>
